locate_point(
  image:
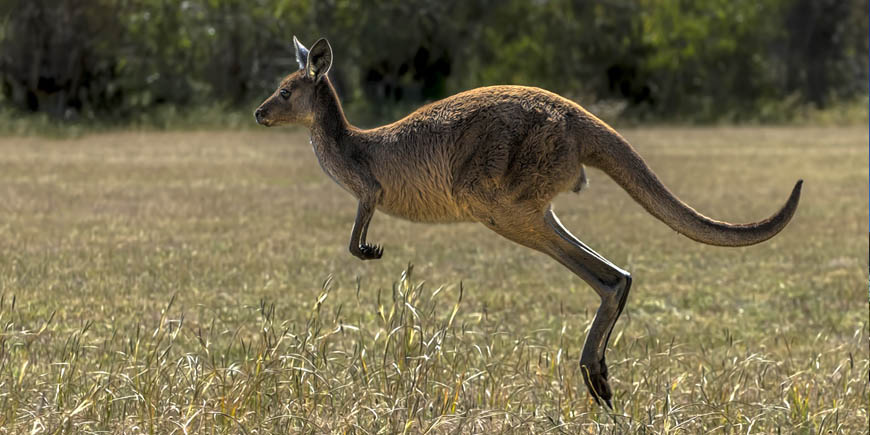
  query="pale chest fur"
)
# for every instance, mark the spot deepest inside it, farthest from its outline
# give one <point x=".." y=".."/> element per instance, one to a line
<point x="338" y="167"/>
<point x="417" y="184"/>
<point x="408" y="185"/>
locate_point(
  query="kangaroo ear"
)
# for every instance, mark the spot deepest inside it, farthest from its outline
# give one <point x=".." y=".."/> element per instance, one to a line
<point x="319" y="60"/>
<point x="301" y="53"/>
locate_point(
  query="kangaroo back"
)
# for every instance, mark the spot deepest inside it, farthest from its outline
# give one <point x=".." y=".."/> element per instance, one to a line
<point x="618" y="159"/>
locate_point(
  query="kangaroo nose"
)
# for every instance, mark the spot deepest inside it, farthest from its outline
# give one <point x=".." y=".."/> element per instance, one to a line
<point x="258" y="115"/>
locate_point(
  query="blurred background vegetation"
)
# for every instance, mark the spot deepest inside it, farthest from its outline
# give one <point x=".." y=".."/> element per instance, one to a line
<point x="151" y="61"/>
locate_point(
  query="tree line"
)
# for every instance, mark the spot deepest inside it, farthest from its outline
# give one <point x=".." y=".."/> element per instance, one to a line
<point x="656" y="59"/>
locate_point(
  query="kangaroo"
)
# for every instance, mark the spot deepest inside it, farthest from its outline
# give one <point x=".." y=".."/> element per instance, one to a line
<point x="496" y="155"/>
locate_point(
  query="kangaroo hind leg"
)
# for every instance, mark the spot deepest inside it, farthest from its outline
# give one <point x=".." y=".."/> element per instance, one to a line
<point x="612" y="292"/>
<point x="546" y="234"/>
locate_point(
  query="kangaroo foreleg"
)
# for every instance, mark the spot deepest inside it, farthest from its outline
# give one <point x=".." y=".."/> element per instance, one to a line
<point x="358" y="246"/>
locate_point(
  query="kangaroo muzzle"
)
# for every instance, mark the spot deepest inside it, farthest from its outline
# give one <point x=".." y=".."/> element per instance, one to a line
<point x="260" y="116"/>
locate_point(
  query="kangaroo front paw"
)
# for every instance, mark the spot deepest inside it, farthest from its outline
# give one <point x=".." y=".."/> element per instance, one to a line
<point x="596" y="382"/>
<point x="369" y="252"/>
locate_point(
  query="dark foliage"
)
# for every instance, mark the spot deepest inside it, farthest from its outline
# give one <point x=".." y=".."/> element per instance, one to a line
<point x="666" y="59"/>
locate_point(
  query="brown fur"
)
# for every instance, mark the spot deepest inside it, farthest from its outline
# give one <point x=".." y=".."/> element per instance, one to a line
<point x="496" y="155"/>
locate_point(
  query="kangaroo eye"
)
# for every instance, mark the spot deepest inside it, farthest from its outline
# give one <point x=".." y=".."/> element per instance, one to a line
<point x="285" y="94"/>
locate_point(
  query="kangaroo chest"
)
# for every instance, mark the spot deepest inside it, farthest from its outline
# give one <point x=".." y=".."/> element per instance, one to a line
<point x="337" y="166"/>
<point x="407" y="190"/>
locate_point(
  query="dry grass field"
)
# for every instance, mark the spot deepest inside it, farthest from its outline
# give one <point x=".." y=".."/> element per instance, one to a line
<point x="200" y="283"/>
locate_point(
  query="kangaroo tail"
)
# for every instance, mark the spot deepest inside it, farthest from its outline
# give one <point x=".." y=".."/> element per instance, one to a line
<point x="621" y="162"/>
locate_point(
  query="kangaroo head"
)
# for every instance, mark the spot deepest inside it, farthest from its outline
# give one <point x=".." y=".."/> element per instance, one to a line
<point x="293" y="101"/>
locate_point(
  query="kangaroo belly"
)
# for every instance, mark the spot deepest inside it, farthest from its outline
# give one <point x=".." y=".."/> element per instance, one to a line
<point x="418" y="204"/>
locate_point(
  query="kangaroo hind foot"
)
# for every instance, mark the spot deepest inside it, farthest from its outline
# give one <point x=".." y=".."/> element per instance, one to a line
<point x="594" y="372"/>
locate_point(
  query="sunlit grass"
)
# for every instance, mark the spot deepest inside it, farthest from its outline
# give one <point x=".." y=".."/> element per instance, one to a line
<point x="199" y="283"/>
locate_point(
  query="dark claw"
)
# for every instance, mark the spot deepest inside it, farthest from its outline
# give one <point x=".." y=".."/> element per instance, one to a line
<point x="597" y="385"/>
<point x="370" y="252"/>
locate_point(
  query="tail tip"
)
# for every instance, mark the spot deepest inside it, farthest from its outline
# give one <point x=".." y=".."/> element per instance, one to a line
<point x="797" y="187"/>
<point x="795" y="194"/>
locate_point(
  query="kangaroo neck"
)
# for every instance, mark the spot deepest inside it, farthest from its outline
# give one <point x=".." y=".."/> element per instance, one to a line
<point x="329" y="126"/>
<point x="337" y="148"/>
